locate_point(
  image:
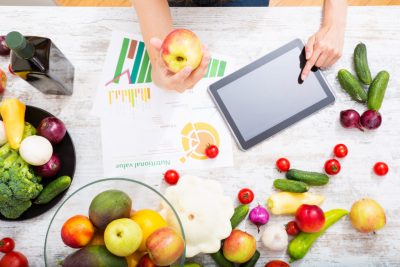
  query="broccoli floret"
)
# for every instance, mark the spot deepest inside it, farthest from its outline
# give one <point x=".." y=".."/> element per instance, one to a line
<point x="14" y="209"/>
<point x="18" y="185"/>
<point x="28" y="130"/>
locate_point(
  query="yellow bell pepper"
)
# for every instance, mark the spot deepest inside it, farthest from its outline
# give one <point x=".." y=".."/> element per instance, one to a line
<point x="13" y="113"/>
<point x="288" y="203"/>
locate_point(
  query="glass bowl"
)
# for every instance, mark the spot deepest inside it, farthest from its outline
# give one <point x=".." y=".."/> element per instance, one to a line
<point x="142" y="195"/>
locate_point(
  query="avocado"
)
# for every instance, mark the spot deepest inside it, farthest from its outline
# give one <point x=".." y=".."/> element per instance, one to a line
<point x="94" y="256"/>
<point x="109" y="206"/>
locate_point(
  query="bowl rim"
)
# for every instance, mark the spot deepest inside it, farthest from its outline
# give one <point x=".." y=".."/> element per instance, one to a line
<point x="183" y="256"/>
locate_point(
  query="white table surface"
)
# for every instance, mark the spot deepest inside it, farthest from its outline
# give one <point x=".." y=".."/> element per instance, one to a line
<point x="247" y="33"/>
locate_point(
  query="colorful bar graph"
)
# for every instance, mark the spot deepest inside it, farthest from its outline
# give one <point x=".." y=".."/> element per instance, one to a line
<point x="134" y="60"/>
<point x="128" y="96"/>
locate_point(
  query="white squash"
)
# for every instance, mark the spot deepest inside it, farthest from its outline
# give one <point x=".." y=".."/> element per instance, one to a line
<point x="204" y="211"/>
<point x="3" y="137"/>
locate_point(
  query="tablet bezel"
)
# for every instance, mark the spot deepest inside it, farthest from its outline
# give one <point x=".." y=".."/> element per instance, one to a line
<point x="244" y="145"/>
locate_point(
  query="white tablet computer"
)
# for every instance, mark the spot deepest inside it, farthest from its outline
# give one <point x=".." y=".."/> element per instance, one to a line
<point x="267" y="96"/>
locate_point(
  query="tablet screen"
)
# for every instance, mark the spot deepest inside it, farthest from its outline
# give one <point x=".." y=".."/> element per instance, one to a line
<point x="270" y="94"/>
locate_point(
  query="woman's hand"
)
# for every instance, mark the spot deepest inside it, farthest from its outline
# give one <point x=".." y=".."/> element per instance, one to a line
<point x="323" y="48"/>
<point x="181" y="81"/>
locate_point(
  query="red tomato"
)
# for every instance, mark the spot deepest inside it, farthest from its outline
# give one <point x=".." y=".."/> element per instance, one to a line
<point x="283" y="164"/>
<point x="245" y="196"/>
<point x="381" y="168"/>
<point x="212" y="151"/>
<point x="277" y="263"/>
<point x="310" y="218"/>
<point x="6" y="245"/>
<point x="332" y="166"/>
<point x="14" y="259"/>
<point x="171" y="177"/>
<point x="340" y="151"/>
<point x="292" y="228"/>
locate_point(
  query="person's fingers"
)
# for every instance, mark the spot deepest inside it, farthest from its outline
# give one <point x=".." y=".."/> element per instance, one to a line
<point x="310" y="63"/>
<point x="322" y="59"/>
<point x="334" y="59"/>
<point x="156" y="43"/>
<point x="200" y="71"/>
<point x="309" y="48"/>
<point x="180" y="77"/>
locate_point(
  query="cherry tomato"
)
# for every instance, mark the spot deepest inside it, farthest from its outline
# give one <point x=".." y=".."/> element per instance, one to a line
<point x="277" y="263"/>
<point x="245" y="196"/>
<point x="14" y="259"/>
<point x="283" y="164"/>
<point x="171" y="177"/>
<point x="381" y="168"/>
<point x="292" y="228"/>
<point x="332" y="166"/>
<point x="6" y="245"/>
<point x="212" y="151"/>
<point x="340" y="151"/>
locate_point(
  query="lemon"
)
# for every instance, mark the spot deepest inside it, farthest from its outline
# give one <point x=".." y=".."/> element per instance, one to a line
<point x="149" y="221"/>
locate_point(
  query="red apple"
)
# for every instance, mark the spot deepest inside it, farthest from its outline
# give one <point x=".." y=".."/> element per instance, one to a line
<point x="165" y="246"/>
<point x="77" y="231"/>
<point x="310" y="218"/>
<point x="239" y="247"/>
<point x="3" y="81"/>
<point x="181" y="48"/>
<point x="145" y="261"/>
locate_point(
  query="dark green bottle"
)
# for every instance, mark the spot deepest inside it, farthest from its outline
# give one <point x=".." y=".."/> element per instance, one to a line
<point x="38" y="61"/>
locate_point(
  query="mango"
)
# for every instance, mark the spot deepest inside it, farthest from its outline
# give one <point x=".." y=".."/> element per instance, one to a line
<point x="94" y="256"/>
<point x="109" y="206"/>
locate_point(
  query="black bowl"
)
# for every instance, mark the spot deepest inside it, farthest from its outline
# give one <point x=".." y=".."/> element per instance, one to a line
<point x="65" y="150"/>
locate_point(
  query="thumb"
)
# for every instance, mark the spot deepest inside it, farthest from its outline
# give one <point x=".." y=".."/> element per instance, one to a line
<point x="156" y="43"/>
<point x="181" y="76"/>
<point x="310" y="47"/>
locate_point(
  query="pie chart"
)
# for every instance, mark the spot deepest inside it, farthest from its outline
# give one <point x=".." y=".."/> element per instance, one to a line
<point x="196" y="136"/>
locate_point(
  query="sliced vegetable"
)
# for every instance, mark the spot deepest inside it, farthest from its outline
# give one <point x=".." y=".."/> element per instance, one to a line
<point x="36" y="150"/>
<point x="259" y="216"/>
<point x="361" y="64"/>
<point x="53" y="189"/>
<point x="288" y="203"/>
<point x="53" y="129"/>
<point x="245" y="196"/>
<point x="371" y="119"/>
<point x="291" y="186"/>
<point x="239" y="215"/>
<point x="220" y="260"/>
<point x="300" y="245"/>
<point x="275" y="237"/>
<point x="352" y="86"/>
<point x="350" y="119"/>
<point x="13" y="113"/>
<point x="376" y="92"/>
<point x="253" y="261"/>
<point x="310" y="178"/>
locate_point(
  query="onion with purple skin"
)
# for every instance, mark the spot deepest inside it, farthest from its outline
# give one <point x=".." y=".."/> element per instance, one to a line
<point x="52" y="129"/>
<point x="350" y="119"/>
<point x="259" y="216"/>
<point x="371" y="119"/>
<point x="50" y="168"/>
<point x="4" y="50"/>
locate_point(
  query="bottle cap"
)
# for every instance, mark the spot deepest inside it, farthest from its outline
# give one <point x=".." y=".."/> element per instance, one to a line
<point x="18" y="43"/>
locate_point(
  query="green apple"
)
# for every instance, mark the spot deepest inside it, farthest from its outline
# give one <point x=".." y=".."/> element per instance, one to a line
<point x="122" y="237"/>
<point x="239" y="247"/>
<point x="181" y="48"/>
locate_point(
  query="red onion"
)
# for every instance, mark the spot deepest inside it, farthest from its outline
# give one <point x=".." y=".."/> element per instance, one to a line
<point x="4" y="50"/>
<point x="350" y="119"/>
<point x="371" y="119"/>
<point x="50" y="168"/>
<point x="52" y="129"/>
<point x="259" y="216"/>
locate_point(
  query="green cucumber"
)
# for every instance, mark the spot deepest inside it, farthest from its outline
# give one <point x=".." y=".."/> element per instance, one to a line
<point x="300" y="245"/>
<point x="220" y="260"/>
<point x="377" y="90"/>
<point x="352" y="86"/>
<point x="239" y="215"/>
<point x="361" y="64"/>
<point x="253" y="261"/>
<point x="291" y="186"/>
<point x="310" y="178"/>
<point x="53" y="189"/>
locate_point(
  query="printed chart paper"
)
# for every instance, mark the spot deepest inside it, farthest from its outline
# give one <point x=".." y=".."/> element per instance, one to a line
<point x="146" y="129"/>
